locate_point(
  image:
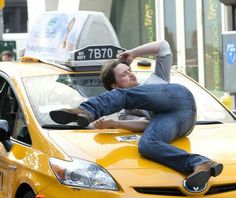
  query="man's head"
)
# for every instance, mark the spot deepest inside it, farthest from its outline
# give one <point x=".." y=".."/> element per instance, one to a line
<point x="6" y="56"/>
<point x="117" y="74"/>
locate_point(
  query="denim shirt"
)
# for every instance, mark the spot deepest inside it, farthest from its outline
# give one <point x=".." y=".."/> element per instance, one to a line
<point x="161" y="75"/>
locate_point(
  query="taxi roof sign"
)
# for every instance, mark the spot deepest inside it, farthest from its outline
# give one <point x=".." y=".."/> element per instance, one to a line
<point x="55" y="36"/>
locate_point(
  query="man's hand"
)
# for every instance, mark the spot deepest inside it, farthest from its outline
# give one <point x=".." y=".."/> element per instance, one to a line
<point x="128" y="56"/>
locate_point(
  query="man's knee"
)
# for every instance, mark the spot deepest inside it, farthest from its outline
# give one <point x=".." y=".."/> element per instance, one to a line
<point x="141" y="146"/>
<point x="146" y="146"/>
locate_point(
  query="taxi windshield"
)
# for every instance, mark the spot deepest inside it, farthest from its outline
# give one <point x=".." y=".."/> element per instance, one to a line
<point x="52" y="92"/>
<point x="47" y="93"/>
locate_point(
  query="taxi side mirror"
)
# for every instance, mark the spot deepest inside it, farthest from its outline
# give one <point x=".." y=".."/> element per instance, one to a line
<point x="5" y="135"/>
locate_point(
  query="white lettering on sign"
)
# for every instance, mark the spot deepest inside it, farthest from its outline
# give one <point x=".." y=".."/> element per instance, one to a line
<point x="97" y="53"/>
<point x="100" y="53"/>
<point x="81" y="57"/>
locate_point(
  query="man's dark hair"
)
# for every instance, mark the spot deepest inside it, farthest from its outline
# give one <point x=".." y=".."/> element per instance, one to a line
<point x="107" y="73"/>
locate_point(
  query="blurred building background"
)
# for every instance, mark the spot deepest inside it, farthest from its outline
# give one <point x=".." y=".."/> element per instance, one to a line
<point x="192" y="27"/>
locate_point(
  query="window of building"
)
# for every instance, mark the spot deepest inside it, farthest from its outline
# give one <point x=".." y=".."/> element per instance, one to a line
<point x="170" y="26"/>
<point x="234" y="17"/>
<point x="15" y="16"/>
<point x="190" y="19"/>
<point x="134" y="21"/>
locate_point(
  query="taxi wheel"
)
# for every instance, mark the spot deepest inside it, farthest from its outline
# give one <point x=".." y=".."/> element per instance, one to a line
<point x="29" y="194"/>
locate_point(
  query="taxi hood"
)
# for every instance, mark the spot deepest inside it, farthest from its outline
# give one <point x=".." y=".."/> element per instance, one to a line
<point x="105" y="148"/>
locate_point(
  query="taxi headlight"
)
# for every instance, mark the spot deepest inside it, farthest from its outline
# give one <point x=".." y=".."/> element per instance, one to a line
<point x="82" y="173"/>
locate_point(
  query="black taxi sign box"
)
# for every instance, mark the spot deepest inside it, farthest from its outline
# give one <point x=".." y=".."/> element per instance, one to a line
<point x="101" y="52"/>
<point x="90" y="58"/>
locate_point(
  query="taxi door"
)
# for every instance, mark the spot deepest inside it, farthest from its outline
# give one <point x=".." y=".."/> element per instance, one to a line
<point x="4" y="168"/>
<point x="11" y="111"/>
<point x="8" y="112"/>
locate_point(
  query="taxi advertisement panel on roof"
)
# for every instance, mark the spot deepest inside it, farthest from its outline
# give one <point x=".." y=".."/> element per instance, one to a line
<point x="54" y="35"/>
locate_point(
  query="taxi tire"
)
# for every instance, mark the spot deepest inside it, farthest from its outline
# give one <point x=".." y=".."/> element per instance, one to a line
<point x="29" y="194"/>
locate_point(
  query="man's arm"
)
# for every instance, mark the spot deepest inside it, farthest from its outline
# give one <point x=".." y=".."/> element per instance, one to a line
<point x="164" y="60"/>
<point x="146" y="49"/>
<point x="132" y="125"/>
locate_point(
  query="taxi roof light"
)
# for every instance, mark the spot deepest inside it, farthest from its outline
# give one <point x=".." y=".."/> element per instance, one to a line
<point x="83" y="40"/>
<point x="56" y="34"/>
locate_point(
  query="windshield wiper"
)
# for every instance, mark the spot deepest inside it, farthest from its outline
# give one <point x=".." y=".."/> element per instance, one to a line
<point x="58" y="126"/>
<point x="201" y="122"/>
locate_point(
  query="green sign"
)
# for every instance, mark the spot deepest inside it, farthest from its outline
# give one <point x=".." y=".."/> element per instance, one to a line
<point x="213" y="45"/>
<point x="148" y="21"/>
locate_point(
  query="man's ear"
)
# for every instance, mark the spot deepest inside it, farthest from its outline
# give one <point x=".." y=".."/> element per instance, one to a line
<point x="114" y="85"/>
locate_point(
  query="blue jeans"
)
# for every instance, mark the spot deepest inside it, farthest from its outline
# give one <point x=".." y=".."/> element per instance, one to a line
<point x="175" y="115"/>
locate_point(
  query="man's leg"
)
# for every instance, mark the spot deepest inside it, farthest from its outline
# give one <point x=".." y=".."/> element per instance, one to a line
<point x="166" y="127"/>
<point x="163" y="129"/>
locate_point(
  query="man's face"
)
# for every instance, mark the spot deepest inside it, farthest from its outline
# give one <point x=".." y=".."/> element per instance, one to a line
<point x="6" y="58"/>
<point x="125" y="78"/>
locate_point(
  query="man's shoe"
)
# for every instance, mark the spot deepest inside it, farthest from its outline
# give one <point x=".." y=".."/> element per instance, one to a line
<point x="203" y="172"/>
<point x="65" y="116"/>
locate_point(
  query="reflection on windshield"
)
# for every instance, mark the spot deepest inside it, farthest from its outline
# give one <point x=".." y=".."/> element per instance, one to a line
<point x="208" y="109"/>
<point x="47" y="93"/>
<point x="87" y="86"/>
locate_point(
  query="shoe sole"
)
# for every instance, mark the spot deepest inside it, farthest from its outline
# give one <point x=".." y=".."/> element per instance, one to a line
<point x="201" y="178"/>
<point x="63" y="117"/>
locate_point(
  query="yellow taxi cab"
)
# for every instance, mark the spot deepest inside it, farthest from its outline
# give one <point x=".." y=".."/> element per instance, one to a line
<point x="42" y="159"/>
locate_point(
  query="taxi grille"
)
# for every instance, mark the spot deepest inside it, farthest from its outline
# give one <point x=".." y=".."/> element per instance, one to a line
<point x="159" y="191"/>
<point x="221" y="189"/>
<point x="176" y="192"/>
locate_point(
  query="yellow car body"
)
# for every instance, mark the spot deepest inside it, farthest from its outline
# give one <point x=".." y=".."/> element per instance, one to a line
<point x="40" y="158"/>
<point x="26" y="167"/>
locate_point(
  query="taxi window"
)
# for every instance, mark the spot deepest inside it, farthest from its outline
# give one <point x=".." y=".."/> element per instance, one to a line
<point x="11" y="111"/>
<point x="47" y="93"/>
